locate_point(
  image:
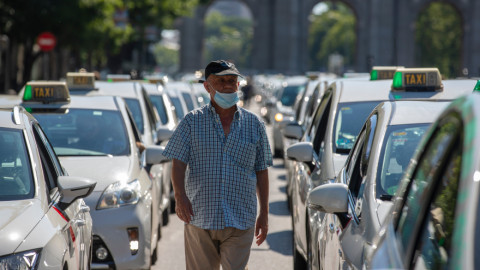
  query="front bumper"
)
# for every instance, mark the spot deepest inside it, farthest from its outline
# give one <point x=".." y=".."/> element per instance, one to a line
<point x="111" y="225"/>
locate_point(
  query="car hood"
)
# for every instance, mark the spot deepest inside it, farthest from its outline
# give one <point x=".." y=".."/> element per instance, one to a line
<point x="105" y="170"/>
<point x="18" y="218"/>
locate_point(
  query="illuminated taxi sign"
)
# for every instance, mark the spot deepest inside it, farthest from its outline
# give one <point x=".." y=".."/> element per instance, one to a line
<point x="80" y="80"/>
<point x="383" y="72"/>
<point x="118" y="77"/>
<point x="477" y="87"/>
<point x="417" y="80"/>
<point x="46" y="92"/>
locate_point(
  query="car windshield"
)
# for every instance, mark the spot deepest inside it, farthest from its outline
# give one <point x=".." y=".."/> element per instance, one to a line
<point x="134" y="107"/>
<point x="159" y="104"/>
<point x="188" y="100"/>
<point x="85" y="132"/>
<point x="289" y="94"/>
<point x="349" y="120"/>
<point x="397" y="150"/>
<point x="16" y="181"/>
<point x="178" y="107"/>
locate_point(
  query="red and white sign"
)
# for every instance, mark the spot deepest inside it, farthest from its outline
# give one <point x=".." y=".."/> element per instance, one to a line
<point x="46" y="41"/>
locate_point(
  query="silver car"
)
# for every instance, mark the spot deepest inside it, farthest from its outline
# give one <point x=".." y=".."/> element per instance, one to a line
<point x="368" y="181"/>
<point x="45" y="223"/>
<point x="282" y="110"/>
<point x="324" y="148"/>
<point x="96" y="137"/>
<point x="434" y="222"/>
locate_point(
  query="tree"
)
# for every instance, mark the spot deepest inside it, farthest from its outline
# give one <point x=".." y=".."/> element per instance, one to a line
<point x="228" y="38"/>
<point x="331" y="32"/>
<point x="439" y="39"/>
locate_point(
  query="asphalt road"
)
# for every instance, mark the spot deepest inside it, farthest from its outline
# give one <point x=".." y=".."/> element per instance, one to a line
<point x="274" y="253"/>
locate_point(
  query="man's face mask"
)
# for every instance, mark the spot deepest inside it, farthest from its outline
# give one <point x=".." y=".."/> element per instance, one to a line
<point x="225" y="100"/>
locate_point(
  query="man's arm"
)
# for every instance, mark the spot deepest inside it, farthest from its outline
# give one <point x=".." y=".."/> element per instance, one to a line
<point x="261" y="227"/>
<point x="183" y="207"/>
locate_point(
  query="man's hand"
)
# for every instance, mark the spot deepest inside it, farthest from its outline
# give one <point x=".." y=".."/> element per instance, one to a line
<point x="183" y="208"/>
<point x="261" y="228"/>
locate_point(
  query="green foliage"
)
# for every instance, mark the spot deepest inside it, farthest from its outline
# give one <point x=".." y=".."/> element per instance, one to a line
<point x="331" y="32"/>
<point x="228" y="38"/>
<point x="439" y="38"/>
<point x="167" y="59"/>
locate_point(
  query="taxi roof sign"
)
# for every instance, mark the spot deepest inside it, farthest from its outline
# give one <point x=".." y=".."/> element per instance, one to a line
<point x="81" y="80"/>
<point x="477" y="87"/>
<point x="118" y="77"/>
<point x="417" y="80"/>
<point x="383" y="72"/>
<point x="157" y="79"/>
<point x="46" y="92"/>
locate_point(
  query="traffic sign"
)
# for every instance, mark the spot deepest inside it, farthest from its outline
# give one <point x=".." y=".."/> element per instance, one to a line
<point x="46" y="41"/>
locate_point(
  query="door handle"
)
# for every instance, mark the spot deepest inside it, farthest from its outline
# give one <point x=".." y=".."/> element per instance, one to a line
<point x="84" y="209"/>
<point x="331" y="227"/>
<point x="80" y="222"/>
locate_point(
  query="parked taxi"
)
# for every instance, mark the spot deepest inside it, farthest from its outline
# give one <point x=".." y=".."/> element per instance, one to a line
<point x="96" y="137"/>
<point x="45" y="223"/>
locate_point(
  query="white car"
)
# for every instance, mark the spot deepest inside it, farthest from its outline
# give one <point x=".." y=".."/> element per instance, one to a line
<point x="434" y="222"/>
<point x="45" y="223"/>
<point x="96" y="137"/>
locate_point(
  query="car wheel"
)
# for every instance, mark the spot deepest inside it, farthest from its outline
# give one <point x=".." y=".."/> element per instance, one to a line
<point x="298" y="261"/>
<point x="166" y="215"/>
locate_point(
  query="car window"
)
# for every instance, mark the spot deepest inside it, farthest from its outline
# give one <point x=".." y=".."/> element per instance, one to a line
<point x="188" y="101"/>
<point x="353" y="166"/>
<point x="159" y="104"/>
<point x="152" y="114"/>
<point x="429" y="165"/>
<point x="435" y="241"/>
<point x="398" y="147"/>
<point x="136" y="110"/>
<point x="177" y="104"/>
<point x="50" y="164"/>
<point x="348" y="121"/>
<point x="16" y="180"/>
<point x="290" y="93"/>
<point x="85" y="132"/>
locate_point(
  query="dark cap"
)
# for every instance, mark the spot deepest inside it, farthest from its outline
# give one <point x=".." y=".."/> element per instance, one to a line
<point x="220" y="68"/>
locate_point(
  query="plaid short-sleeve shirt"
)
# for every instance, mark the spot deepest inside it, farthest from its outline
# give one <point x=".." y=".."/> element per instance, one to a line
<point x="220" y="179"/>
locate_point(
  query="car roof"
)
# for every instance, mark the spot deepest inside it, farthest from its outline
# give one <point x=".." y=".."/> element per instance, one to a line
<point x="413" y="111"/>
<point x="7" y="119"/>
<point x="153" y="88"/>
<point x="124" y="89"/>
<point x="362" y="90"/>
<point x="94" y="102"/>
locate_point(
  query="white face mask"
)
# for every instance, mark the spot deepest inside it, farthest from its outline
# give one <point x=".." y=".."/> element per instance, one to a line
<point x="225" y="100"/>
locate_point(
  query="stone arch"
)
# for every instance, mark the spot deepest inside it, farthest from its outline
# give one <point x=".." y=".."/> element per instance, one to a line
<point x="305" y="24"/>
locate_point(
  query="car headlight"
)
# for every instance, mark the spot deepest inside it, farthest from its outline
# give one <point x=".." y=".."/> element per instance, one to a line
<point x="23" y="260"/>
<point x="119" y="194"/>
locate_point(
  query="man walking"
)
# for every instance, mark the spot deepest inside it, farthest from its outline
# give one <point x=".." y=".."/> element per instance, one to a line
<point x="221" y="156"/>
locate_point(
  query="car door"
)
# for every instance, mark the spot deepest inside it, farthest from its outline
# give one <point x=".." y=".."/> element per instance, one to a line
<point x="307" y="174"/>
<point x="423" y="232"/>
<point x="335" y="224"/>
<point x="75" y="231"/>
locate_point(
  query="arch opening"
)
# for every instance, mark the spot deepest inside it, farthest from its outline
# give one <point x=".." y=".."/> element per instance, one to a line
<point x="438" y="39"/>
<point x="332" y="37"/>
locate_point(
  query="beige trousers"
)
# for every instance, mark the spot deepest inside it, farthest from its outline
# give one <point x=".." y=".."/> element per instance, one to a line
<point x="208" y="249"/>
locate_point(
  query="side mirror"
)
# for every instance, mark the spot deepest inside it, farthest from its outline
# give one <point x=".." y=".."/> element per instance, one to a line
<point x="164" y="134"/>
<point x="73" y="188"/>
<point x="154" y="155"/>
<point x="329" y="198"/>
<point x="293" y="131"/>
<point x="302" y="151"/>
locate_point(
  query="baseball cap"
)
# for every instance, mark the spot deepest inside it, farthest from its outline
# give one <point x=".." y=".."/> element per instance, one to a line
<point x="220" y="68"/>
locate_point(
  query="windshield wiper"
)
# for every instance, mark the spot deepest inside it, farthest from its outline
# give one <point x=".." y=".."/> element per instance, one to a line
<point x="386" y="197"/>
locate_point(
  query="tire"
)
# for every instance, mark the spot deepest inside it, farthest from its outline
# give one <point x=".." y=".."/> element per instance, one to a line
<point x="166" y="215"/>
<point x="298" y="260"/>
